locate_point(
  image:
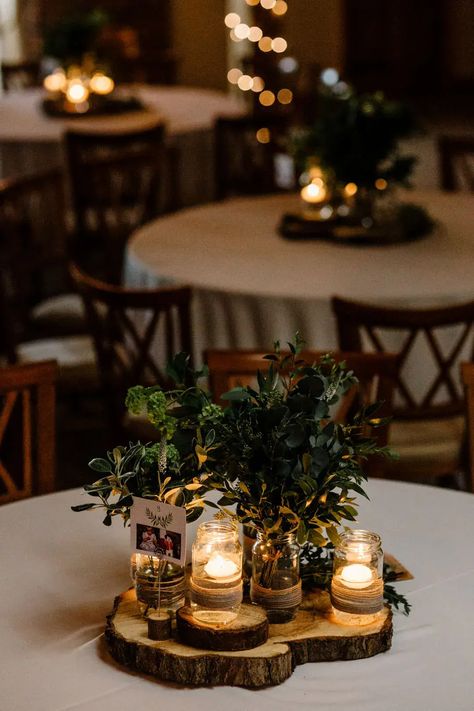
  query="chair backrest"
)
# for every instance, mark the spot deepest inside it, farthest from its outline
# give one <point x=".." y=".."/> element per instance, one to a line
<point x="456" y="156"/>
<point x="27" y="430"/>
<point x="430" y="340"/>
<point x="376" y="373"/>
<point x="135" y="331"/>
<point x="245" y="152"/>
<point x="467" y="375"/>
<point x="33" y="242"/>
<point x="20" y="75"/>
<point x="116" y="180"/>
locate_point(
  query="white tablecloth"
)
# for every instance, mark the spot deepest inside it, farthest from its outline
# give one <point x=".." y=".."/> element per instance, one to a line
<point x="30" y="140"/>
<point x="252" y="286"/>
<point x="61" y="570"/>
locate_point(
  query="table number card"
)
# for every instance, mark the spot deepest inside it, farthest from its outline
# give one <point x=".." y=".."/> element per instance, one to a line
<point x="158" y="529"/>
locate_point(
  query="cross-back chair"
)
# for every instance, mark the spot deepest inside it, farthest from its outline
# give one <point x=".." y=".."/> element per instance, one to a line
<point x="245" y="152"/>
<point x="467" y="375"/>
<point x="376" y="374"/>
<point x="135" y="332"/>
<point x="429" y="404"/>
<point x="456" y="156"/>
<point x="27" y="430"/>
<point x="34" y="256"/>
<point x="116" y="180"/>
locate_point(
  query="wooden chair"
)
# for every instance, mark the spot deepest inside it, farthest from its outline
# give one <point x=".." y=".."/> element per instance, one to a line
<point x="376" y="374"/>
<point x="467" y="375"/>
<point x="27" y="430"/>
<point x="428" y="427"/>
<point x="135" y="331"/>
<point x="34" y="255"/>
<point x="456" y="156"/>
<point x="245" y="163"/>
<point x="20" y="75"/>
<point x="115" y="183"/>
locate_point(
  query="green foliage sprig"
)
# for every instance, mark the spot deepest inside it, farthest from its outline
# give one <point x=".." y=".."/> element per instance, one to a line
<point x="356" y="137"/>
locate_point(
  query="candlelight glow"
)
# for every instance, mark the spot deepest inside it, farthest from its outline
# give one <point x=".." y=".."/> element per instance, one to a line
<point x="55" y="81"/>
<point x="314" y="192"/>
<point x="357" y="576"/>
<point x="76" y="92"/>
<point x="219" y="567"/>
<point x="101" y="84"/>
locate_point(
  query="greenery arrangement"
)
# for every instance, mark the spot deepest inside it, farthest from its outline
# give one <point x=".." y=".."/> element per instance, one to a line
<point x="273" y="453"/>
<point x="356" y="137"/>
<point x="74" y="36"/>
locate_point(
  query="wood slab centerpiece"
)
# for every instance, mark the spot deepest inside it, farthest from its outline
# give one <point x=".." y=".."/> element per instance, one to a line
<point x="313" y="636"/>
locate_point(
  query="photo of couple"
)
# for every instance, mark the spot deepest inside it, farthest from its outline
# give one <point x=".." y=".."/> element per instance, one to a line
<point x="158" y="541"/>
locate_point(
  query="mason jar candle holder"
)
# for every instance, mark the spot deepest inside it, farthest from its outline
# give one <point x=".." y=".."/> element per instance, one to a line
<point x="160" y="585"/>
<point x="357" y="583"/>
<point x="215" y="588"/>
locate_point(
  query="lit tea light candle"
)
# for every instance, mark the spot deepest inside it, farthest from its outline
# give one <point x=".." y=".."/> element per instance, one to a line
<point x="219" y="567"/>
<point x="101" y="84"/>
<point x="356" y="576"/>
<point x="55" y="82"/>
<point x="314" y="193"/>
<point x="77" y="92"/>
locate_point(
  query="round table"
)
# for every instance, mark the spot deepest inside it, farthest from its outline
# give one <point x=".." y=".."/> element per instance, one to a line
<point x="31" y="140"/>
<point x="61" y="571"/>
<point x="253" y="286"/>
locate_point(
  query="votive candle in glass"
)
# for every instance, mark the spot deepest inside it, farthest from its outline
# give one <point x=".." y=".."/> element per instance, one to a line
<point x="357" y="583"/>
<point x="216" y="582"/>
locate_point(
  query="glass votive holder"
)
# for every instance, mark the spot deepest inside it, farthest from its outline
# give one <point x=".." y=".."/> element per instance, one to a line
<point x="215" y="588"/>
<point x="357" y="583"/>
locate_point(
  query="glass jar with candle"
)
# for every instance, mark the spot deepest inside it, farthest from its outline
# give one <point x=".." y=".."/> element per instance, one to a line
<point x="357" y="583"/>
<point x="216" y="582"/>
<point x="316" y="190"/>
<point x="276" y="582"/>
<point x="159" y="584"/>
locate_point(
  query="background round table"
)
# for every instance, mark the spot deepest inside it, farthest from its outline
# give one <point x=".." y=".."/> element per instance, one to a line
<point x="61" y="571"/>
<point x="253" y="286"/>
<point x="30" y="140"/>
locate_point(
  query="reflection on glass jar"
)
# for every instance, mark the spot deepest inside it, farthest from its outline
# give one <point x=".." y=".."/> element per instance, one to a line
<point x="276" y="582"/>
<point x="216" y="581"/>
<point x="357" y="583"/>
<point x="159" y="584"/>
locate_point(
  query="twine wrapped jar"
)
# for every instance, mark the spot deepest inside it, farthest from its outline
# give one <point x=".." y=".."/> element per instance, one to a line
<point x="276" y="582"/>
<point x="215" y="588"/>
<point x="357" y="583"/>
<point x="159" y="584"/>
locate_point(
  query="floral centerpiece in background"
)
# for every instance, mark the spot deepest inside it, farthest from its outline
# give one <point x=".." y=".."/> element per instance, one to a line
<point x="281" y="465"/>
<point x="355" y="144"/>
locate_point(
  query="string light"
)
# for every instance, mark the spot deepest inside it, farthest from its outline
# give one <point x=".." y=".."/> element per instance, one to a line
<point x="240" y="31"/>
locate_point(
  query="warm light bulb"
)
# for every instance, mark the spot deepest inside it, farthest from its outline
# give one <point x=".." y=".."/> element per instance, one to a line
<point x="265" y="44"/>
<point x="245" y="82"/>
<point x="267" y="98"/>
<point x="101" y="84"/>
<point x="255" y="34"/>
<point x="285" y="96"/>
<point x="55" y="81"/>
<point x="350" y="189"/>
<point x="280" y="7"/>
<point x="233" y="75"/>
<point x="279" y="44"/>
<point x="76" y="92"/>
<point x="381" y="184"/>
<point x="258" y="84"/>
<point x="242" y="30"/>
<point x="231" y="20"/>
<point x="268" y="4"/>
<point x="263" y="135"/>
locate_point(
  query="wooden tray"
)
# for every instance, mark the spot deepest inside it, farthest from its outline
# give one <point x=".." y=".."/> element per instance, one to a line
<point x="312" y="637"/>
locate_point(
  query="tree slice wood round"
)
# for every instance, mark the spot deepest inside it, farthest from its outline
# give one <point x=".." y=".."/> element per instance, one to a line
<point x="313" y="636"/>
<point x="249" y="630"/>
